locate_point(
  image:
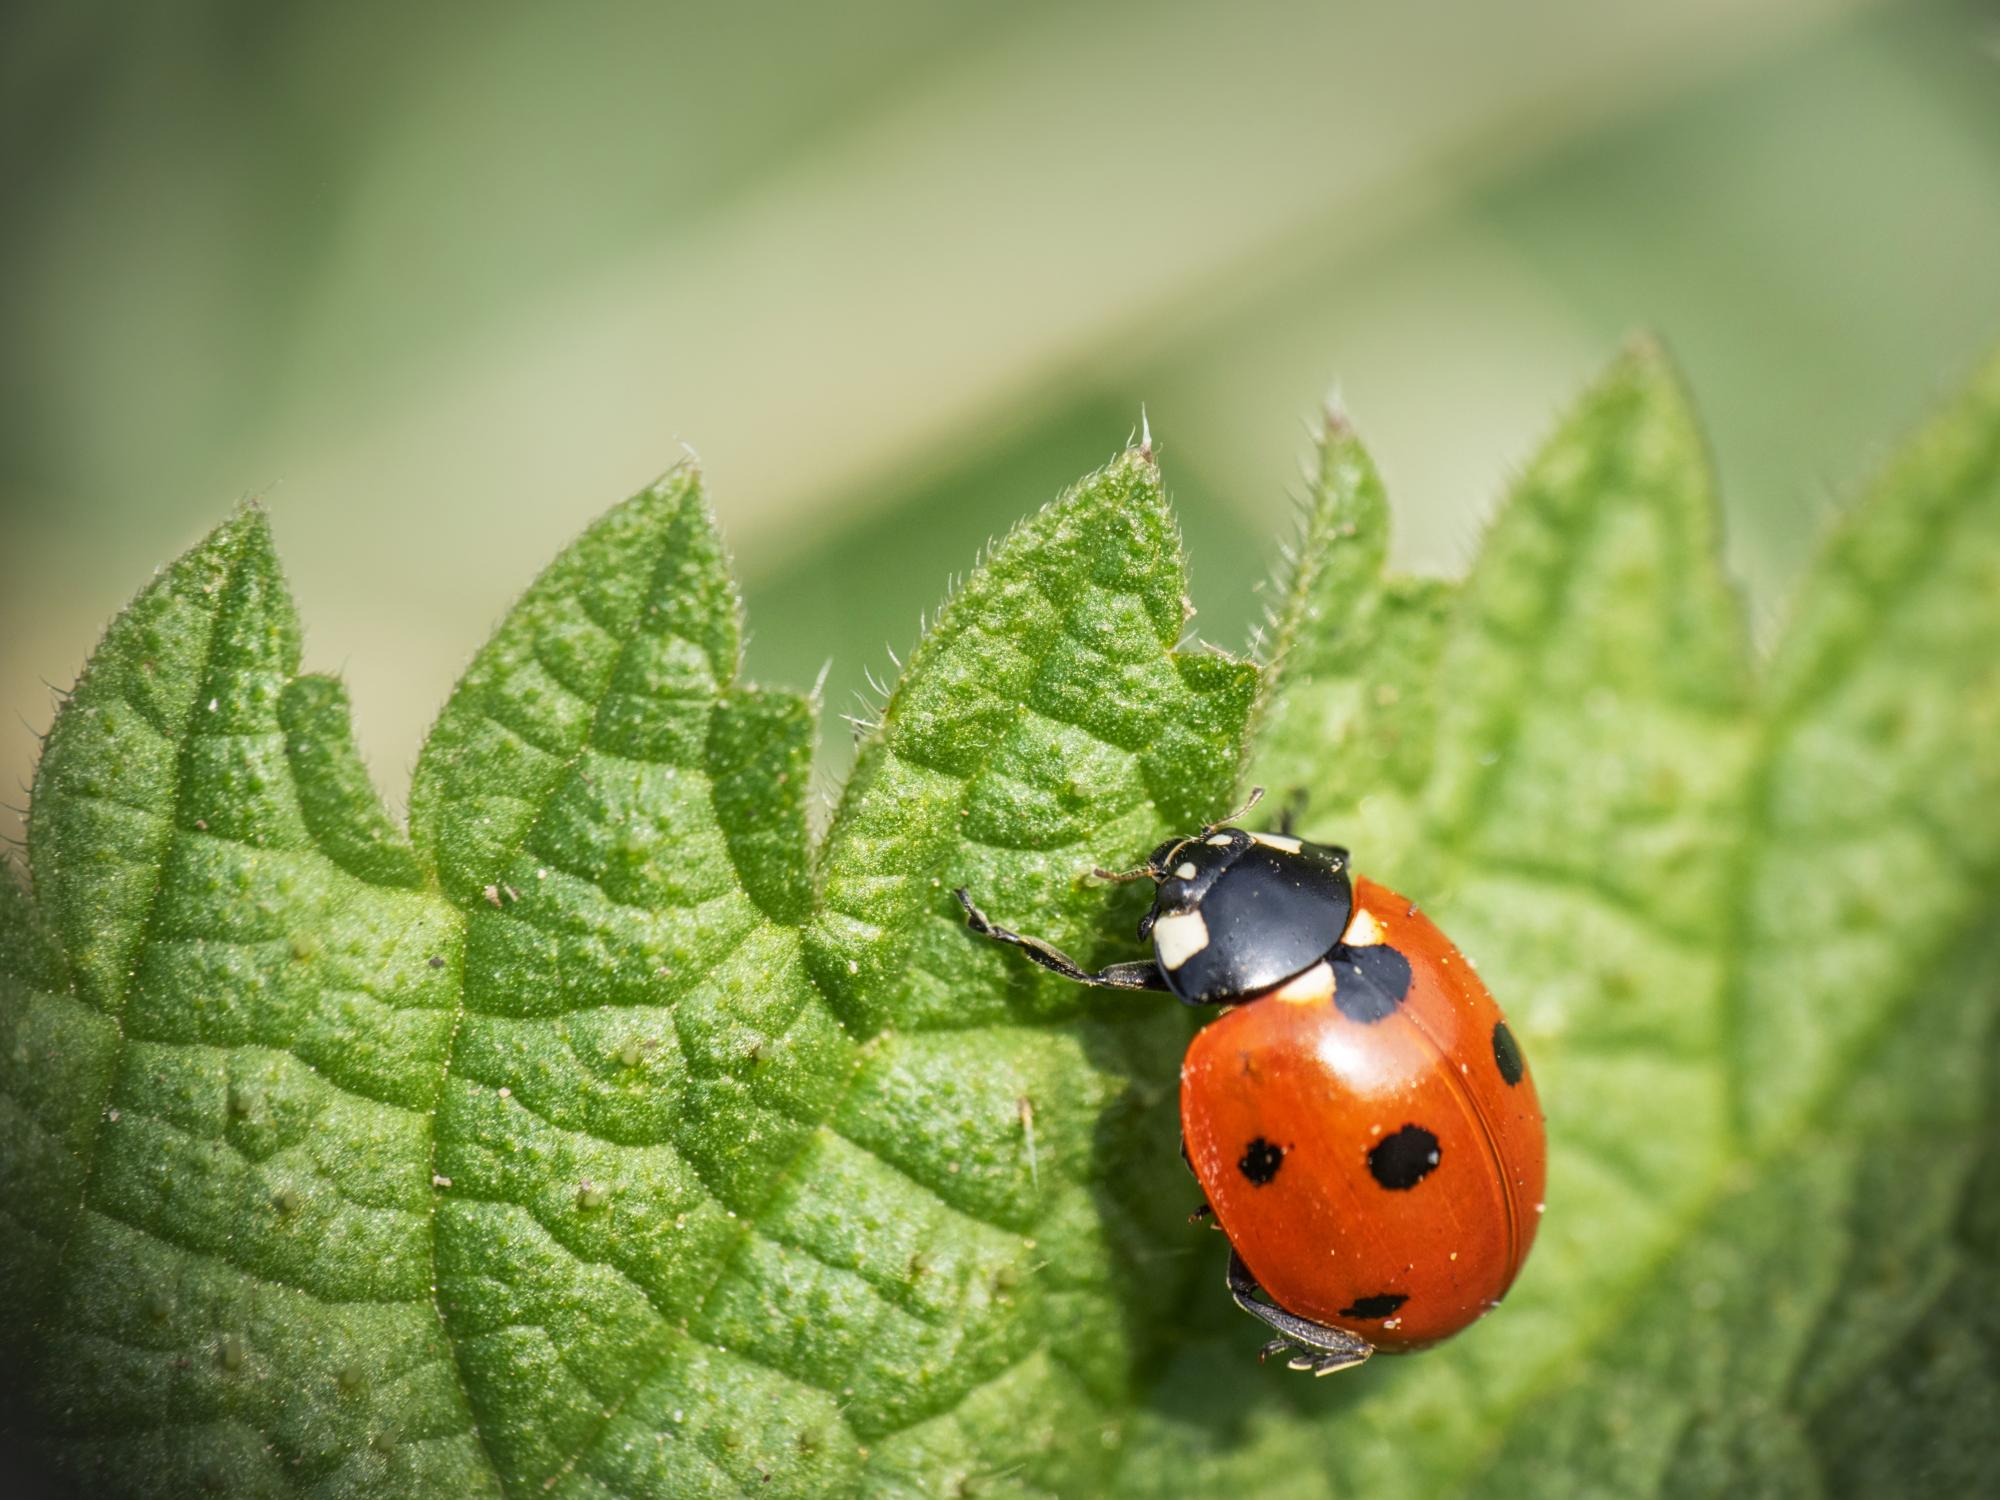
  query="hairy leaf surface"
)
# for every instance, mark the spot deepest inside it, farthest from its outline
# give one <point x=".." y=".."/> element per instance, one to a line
<point x="608" y="1136"/>
<point x="1743" y="930"/>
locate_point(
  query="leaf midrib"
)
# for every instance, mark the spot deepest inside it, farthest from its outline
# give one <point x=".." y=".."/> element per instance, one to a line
<point x="751" y="1221"/>
<point x="1719" y="1187"/>
<point x="873" y="753"/>
<point x="629" y="636"/>
<point x="115" y="1011"/>
<point x="1835" y="664"/>
<point x="1610" y="467"/>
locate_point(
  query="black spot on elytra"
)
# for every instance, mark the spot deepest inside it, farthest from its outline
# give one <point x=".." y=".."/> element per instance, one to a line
<point x="1507" y="1053"/>
<point x="1260" y="1161"/>
<point x="1380" y="1305"/>
<point x="1400" y="1161"/>
<point x="1369" y="983"/>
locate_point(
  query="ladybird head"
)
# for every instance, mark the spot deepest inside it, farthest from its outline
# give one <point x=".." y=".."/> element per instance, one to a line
<point x="1239" y="912"/>
<point x="1214" y="847"/>
<point x="1187" y="869"/>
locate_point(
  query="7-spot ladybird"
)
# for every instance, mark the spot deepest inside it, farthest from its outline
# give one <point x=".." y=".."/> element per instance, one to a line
<point x="1359" y="1116"/>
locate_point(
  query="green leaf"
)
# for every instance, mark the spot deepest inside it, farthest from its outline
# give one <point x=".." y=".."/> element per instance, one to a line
<point x="1875" y="808"/>
<point x="1824" y="1324"/>
<point x="56" y="1055"/>
<point x="574" y="1145"/>
<point x="605" y="1137"/>
<point x="1347" y="727"/>
<point x="1046" y="725"/>
<point x="233" y="1225"/>
<point x="710" y="1221"/>
<point x="642" y="1063"/>
<point x="1767" y="1259"/>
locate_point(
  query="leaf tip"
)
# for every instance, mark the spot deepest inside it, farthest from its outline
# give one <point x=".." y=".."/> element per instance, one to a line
<point x="1345" y="472"/>
<point x="241" y="546"/>
<point x="1644" y="345"/>
<point x="1645" y="363"/>
<point x="1643" y="384"/>
<point x="681" y="478"/>
<point x="247" y="533"/>
<point x="1335" y="423"/>
<point x="1139" y="456"/>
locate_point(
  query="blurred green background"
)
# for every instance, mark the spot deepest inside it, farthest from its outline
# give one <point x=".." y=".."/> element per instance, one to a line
<point x="439" y="283"/>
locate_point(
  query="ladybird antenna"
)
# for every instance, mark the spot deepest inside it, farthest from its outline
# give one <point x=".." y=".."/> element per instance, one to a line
<point x="1144" y="872"/>
<point x="1256" y="796"/>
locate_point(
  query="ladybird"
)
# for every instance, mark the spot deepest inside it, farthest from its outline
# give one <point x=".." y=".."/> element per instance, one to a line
<point x="1359" y="1116"/>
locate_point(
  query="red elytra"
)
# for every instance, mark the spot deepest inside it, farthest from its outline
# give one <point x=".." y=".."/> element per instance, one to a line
<point x="1381" y="1176"/>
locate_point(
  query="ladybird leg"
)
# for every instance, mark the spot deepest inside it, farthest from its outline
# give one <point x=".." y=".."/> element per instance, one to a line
<point x="1312" y="1346"/>
<point x="1142" y="975"/>
<point x="1205" y="1210"/>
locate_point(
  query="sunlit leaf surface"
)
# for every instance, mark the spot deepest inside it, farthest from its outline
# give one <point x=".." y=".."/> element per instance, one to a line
<point x="610" y="1136"/>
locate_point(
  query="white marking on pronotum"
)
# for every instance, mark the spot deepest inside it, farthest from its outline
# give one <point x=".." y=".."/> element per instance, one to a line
<point x="1277" y="841"/>
<point x="1315" y="984"/>
<point x="1179" y="936"/>
<point x="1221" y="840"/>
<point x="1185" y="871"/>
<point x="1363" y="931"/>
